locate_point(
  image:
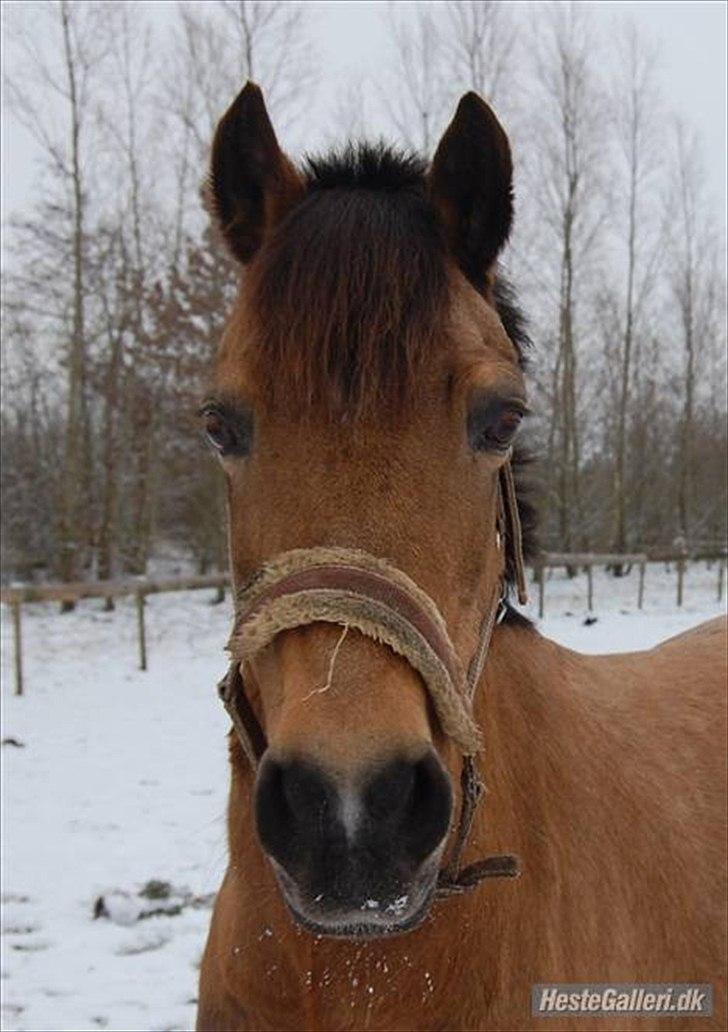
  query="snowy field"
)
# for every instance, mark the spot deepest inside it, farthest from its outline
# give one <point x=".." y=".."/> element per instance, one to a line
<point x="115" y="778"/>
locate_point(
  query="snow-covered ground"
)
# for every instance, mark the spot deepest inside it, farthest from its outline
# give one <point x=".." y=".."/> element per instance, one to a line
<point x="119" y="778"/>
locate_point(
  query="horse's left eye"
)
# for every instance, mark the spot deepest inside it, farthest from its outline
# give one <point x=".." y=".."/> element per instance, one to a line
<point x="492" y="425"/>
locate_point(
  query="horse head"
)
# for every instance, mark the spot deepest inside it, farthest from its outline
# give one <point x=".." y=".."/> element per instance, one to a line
<point x="366" y="395"/>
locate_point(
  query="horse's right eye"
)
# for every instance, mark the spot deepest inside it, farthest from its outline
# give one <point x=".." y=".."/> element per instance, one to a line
<point x="218" y="432"/>
<point x="230" y="433"/>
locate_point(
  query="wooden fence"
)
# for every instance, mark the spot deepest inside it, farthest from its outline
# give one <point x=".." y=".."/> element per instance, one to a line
<point x="15" y="598"/>
<point x="587" y="561"/>
<point x="73" y="592"/>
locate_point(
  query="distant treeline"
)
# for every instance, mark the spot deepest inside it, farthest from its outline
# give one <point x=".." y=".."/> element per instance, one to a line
<point x="115" y="290"/>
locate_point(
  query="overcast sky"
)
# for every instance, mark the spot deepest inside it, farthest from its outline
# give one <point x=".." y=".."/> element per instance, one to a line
<point x="353" y="38"/>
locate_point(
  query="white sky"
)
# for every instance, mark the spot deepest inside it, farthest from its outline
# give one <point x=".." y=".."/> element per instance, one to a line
<point x="352" y="38"/>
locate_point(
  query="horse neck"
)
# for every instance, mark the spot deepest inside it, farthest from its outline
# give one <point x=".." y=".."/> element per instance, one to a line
<point x="522" y="703"/>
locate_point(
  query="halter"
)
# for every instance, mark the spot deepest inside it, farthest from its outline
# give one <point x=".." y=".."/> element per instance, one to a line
<point x="352" y="588"/>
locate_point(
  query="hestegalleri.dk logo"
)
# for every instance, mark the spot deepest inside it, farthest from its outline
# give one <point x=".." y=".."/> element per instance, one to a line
<point x="607" y="999"/>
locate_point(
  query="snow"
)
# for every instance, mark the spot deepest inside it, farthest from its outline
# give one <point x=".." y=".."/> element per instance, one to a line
<point x="121" y="779"/>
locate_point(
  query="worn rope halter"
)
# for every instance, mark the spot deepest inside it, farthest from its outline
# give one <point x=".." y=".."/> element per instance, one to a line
<point x="355" y="589"/>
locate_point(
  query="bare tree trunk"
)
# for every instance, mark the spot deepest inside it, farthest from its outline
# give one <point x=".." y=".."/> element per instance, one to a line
<point x="686" y="422"/>
<point x="635" y="115"/>
<point x="687" y="274"/>
<point x="569" y="501"/>
<point x="565" y="179"/>
<point x="620" y="491"/>
<point x="137" y="554"/>
<point x="108" y="527"/>
<point x="132" y="52"/>
<point x="73" y="477"/>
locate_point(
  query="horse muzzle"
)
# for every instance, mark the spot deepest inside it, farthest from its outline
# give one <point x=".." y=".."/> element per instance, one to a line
<point x="355" y="859"/>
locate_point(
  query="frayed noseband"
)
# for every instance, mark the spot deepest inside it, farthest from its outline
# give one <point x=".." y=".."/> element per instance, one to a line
<point x="355" y="589"/>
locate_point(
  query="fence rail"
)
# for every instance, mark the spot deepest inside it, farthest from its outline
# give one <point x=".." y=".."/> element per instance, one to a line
<point x="588" y="560"/>
<point x="16" y="597"/>
<point x="74" y="591"/>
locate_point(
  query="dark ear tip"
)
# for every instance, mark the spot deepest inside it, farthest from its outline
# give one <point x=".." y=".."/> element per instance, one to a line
<point x="471" y="99"/>
<point x="250" y="98"/>
<point x="249" y="103"/>
<point x="251" y="89"/>
<point x="473" y="106"/>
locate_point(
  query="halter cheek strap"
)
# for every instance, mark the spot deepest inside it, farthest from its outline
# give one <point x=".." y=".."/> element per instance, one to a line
<point x="355" y="589"/>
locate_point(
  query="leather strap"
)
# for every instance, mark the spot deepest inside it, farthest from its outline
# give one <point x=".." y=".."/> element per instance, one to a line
<point x="251" y="736"/>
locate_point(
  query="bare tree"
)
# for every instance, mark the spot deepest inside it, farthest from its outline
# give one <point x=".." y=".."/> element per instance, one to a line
<point x="418" y="98"/>
<point x="217" y="46"/>
<point x="56" y="87"/>
<point x="696" y="288"/>
<point x="480" y="44"/>
<point x="112" y="292"/>
<point x="115" y="288"/>
<point x="565" y="182"/>
<point x="131" y="64"/>
<point x="635" y="116"/>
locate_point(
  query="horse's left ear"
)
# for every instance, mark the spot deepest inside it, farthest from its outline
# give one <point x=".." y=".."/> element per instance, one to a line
<point x="252" y="183"/>
<point x="471" y="184"/>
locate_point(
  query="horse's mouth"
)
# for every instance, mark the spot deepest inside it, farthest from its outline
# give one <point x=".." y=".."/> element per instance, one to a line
<point x="371" y="919"/>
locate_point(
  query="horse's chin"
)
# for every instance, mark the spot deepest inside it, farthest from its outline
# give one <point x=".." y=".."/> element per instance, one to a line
<point x="371" y="920"/>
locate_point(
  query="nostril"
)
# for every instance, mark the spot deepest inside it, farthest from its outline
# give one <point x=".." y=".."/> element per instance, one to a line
<point x="294" y="806"/>
<point x="272" y="810"/>
<point x="303" y="789"/>
<point x="390" y="793"/>
<point x="411" y="804"/>
<point x="430" y="807"/>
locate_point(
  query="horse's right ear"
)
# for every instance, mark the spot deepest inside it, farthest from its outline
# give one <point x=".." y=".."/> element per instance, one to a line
<point x="252" y="183"/>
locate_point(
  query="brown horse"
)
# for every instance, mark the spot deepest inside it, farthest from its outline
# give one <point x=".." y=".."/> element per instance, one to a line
<point x="368" y="389"/>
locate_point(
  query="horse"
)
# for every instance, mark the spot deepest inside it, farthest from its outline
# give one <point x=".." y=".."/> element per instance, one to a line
<point x="364" y="405"/>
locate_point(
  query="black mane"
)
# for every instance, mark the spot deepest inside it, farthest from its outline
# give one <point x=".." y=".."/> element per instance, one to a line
<point x="385" y="168"/>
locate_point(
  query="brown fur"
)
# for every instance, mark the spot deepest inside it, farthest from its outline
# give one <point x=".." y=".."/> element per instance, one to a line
<point x="605" y="774"/>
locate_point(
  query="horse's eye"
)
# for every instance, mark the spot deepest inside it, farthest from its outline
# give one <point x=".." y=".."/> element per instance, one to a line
<point x="492" y="424"/>
<point x="228" y="433"/>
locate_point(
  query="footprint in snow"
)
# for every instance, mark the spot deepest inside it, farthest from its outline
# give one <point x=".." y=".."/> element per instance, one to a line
<point x="30" y="947"/>
<point x="12" y="1010"/>
<point x="19" y="929"/>
<point x="143" y="945"/>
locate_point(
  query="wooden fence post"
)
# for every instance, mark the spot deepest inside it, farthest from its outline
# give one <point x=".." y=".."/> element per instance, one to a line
<point x="142" y="631"/>
<point x="541" y="587"/>
<point x="18" y="648"/>
<point x="641" y="588"/>
<point x="680" y="578"/>
<point x="589" y="587"/>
